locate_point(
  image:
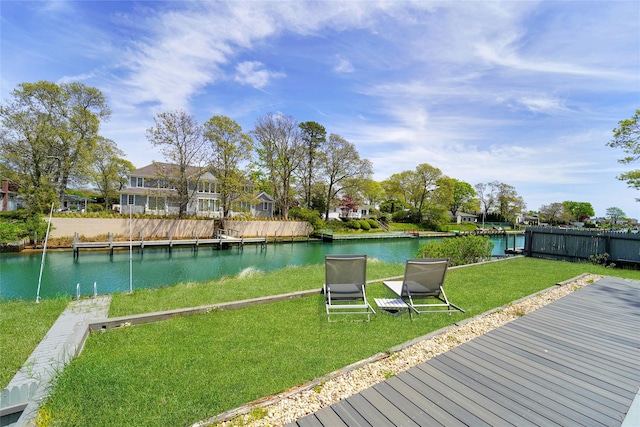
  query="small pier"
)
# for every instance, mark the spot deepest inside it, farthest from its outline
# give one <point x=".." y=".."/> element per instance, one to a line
<point x="330" y="237"/>
<point x="220" y="242"/>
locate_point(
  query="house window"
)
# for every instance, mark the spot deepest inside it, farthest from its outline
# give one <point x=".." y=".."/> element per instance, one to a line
<point x="265" y="206"/>
<point x="204" y="187"/>
<point x="130" y="199"/>
<point x="156" y="203"/>
<point x="140" y="182"/>
<point x="208" y="205"/>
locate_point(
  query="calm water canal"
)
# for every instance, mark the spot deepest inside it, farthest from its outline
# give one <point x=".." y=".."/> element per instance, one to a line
<point x="157" y="267"/>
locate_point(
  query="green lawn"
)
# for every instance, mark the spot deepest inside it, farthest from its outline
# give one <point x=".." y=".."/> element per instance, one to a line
<point x="180" y="371"/>
<point x="23" y="324"/>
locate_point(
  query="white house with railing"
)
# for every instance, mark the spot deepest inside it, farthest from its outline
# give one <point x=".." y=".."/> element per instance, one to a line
<point x="152" y="190"/>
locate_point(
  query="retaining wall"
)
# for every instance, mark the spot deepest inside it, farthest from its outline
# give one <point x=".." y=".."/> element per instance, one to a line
<point x="163" y="228"/>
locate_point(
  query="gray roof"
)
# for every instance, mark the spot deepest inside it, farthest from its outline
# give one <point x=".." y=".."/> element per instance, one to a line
<point x="157" y="169"/>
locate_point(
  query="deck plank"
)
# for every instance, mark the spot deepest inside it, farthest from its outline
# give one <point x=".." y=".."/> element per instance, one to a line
<point x="420" y="409"/>
<point x="329" y="418"/>
<point x="386" y="407"/>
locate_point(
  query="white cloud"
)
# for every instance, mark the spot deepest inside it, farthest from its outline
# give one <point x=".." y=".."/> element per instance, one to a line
<point x="254" y="74"/>
<point x="76" y="78"/>
<point x="542" y="104"/>
<point x="343" y="65"/>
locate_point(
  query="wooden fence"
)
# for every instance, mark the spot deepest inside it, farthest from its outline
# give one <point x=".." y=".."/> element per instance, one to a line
<point x="580" y="245"/>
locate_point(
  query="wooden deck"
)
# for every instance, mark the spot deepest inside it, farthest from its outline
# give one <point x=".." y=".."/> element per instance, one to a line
<point x="575" y="361"/>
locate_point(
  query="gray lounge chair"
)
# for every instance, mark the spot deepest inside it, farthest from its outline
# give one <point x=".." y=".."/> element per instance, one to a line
<point x="345" y="283"/>
<point x="423" y="280"/>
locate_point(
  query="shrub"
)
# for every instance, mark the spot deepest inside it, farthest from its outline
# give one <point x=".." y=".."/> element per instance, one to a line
<point x="309" y="215"/>
<point x="336" y="224"/>
<point x="602" y="259"/>
<point x="19" y="214"/>
<point x="364" y="224"/>
<point x="354" y="225"/>
<point x="401" y="216"/>
<point x="459" y="250"/>
<point x="11" y="232"/>
<point x="95" y="207"/>
<point x="373" y="223"/>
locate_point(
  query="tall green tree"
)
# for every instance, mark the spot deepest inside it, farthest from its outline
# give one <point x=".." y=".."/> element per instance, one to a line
<point x="425" y="183"/>
<point x="342" y="165"/>
<point x="615" y="214"/>
<point x="579" y="211"/>
<point x="230" y="147"/>
<point x="462" y="197"/>
<point x="280" y="153"/>
<point x="313" y="136"/>
<point x="48" y="138"/>
<point x="179" y="137"/>
<point x="418" y="189"/>
<point x="510" y="204"/>
<point x="372" y="192"/>
<point x="110" y="170"/>
<point x="397" y="186"/>
<point x="627" y="137"/>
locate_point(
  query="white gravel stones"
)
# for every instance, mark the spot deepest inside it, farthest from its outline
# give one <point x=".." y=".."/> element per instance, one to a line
<point x="312" y="398"/>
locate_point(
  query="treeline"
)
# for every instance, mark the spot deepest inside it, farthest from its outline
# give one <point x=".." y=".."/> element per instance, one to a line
<point x="50" y="141"/>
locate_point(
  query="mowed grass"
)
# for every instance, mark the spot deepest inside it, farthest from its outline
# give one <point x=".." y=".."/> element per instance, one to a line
<point x="23" y="324"/>
<point x="249" y="284"/>
<point x="176" y="372"/>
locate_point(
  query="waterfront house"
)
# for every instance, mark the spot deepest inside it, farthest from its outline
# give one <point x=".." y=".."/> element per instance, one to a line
<point x="152" y="190"/>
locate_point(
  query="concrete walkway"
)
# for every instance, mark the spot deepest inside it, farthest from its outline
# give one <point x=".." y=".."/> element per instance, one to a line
<point x="60" y="345"/>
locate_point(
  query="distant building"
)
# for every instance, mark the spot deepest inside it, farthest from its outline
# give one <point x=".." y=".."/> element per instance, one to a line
<point x="341" y="212"/>
<point x="9" y="196"/>
<point x="72" y="202"/>
<point x="152" y="191"/>
<point x="264" y="206"/>
<point x="461" y="217"/>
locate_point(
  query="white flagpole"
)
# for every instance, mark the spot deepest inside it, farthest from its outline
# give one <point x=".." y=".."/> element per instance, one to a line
<point x="130" y="253"/>
<point x="44" y="251"/>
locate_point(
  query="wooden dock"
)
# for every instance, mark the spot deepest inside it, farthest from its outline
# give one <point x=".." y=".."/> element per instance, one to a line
<point x="575" y="361"/>
<point x="220" y="243"/>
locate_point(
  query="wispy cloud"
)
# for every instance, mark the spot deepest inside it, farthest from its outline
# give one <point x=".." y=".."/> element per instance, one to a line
<point x="253" y="73"/>
<point x="343" y="65"/>
<point x="542" y="104"/>
<point x="76" y="78"/>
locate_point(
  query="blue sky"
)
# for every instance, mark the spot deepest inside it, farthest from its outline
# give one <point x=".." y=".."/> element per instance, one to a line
<point x="521" y="92"/>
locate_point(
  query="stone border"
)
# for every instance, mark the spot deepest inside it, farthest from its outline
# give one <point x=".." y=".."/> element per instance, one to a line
<point x="140" y="319"/>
